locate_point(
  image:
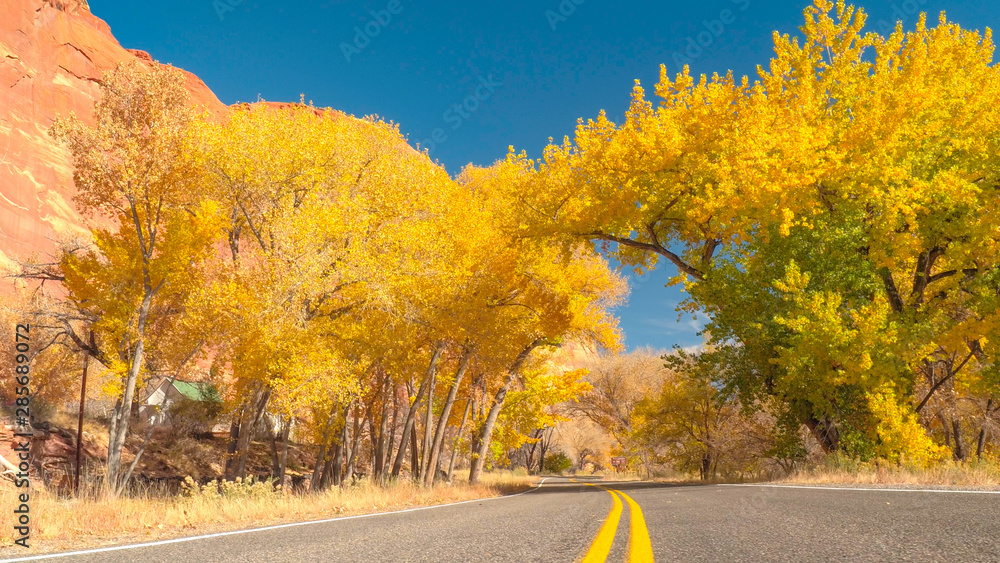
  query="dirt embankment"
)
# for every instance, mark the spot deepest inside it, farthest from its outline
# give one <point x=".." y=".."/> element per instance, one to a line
<point x="168" y="458"/>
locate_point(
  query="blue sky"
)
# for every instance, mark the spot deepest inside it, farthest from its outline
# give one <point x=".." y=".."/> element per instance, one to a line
<point x="538" y="66"/>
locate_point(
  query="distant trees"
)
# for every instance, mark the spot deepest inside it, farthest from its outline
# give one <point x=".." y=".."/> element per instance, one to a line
<point x="619" y="384"/>
<point x="672" y="411"/>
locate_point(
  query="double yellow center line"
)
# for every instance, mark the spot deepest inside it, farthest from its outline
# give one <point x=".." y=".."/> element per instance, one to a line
<point x="640" y="549"/>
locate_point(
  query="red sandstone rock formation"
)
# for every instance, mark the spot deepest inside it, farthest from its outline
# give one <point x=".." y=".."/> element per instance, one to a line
<point x="52" y="53"/>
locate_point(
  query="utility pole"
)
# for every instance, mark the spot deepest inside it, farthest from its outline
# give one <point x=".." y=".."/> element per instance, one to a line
<point x="79" y="423"/>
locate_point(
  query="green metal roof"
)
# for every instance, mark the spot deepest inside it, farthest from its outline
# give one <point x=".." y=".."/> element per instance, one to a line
<point x="197" y="391"/>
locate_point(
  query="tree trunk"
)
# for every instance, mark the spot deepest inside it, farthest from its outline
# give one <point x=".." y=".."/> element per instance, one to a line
<point x="530" y="461"/>
<point x="544" y="449"/>
<point x="435" y="450"/>
<point x="479" y="456"/>
<point x="956" y="428"/>
<point x="375" y="437"/>
<point x="378" y="445"/>
<point x="706" y="466"/>
<point x="981" y="442"/>
<point x="826" y="433"/>
<point x="338" y="458"/>
<point x="426" y="474"/>
<point x="414" y="456"/>
<point x="944" y="427"/>
<point x="314" y="483"/>
<point x="149" y="432"/>
<point x="356" y="443"/>
<point x="477" y="429"/>
<point x="231" y="446"/>
<point x="285" y="431"/>
<point x="79" y="423"/>
<point x="327" y="475"/>
<point x="135" y="461"/>
<point x="404" y="440"/>
<point x="458" y="437"/>
<point x="258" y="406"/>
<point x="392" y="433"/>
<point x="335" y="456"/>
<point x="123" y="408"/>
<point x="272" y="440"/>
<point x="486" y="432"/>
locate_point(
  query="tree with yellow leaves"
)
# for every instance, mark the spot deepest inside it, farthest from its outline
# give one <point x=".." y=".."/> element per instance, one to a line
<point x="130" y="168"/>
<point x="834" y="218"/>
<point x="545" y="292"/>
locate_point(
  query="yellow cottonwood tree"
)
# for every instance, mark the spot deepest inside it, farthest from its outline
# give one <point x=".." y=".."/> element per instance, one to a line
<point x="130" y="168"/>
<point x="868" y="160"/>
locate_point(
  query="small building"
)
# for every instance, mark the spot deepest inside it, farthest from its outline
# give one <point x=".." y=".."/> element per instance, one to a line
<point x="156" y="406"/>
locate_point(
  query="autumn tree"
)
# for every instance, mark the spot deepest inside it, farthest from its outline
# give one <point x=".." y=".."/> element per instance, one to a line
<point x="130" y="170"/>
<point x="549" y="291"/>
<point x="831" y="218"/>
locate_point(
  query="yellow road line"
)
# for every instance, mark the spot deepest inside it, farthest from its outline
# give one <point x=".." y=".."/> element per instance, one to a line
<point x="599" y="550"/>
<point x="640" y="549"/>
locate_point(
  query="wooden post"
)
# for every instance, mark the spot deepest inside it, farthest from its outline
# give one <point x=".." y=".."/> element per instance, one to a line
<point x="79" y="423"/>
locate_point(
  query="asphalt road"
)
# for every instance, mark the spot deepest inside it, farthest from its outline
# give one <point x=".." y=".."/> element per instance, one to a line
<point x="578" y="521"/>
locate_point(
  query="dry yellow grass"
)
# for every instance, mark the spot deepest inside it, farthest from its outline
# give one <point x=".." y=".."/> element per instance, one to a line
<point x="96" y="520"/>
<point x="979" y="474"/>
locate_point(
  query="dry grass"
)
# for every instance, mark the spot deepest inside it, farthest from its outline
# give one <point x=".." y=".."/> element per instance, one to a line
<point x="842" y="471"/>
<point x="96" y="520"/>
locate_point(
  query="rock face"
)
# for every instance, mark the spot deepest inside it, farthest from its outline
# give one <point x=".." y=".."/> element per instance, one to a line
<point x="52" y="53"/>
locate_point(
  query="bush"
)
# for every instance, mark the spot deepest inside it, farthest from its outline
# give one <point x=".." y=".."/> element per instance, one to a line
<point x="558" y="462"/>
<point x="240" y="488"/>
<point x="192" y="418"/>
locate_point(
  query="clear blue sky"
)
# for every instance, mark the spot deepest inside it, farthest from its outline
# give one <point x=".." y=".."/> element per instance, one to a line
<point x="539" y="65"/>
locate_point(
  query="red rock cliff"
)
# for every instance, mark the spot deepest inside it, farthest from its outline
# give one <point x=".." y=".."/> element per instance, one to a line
<point x="51" y="54"/>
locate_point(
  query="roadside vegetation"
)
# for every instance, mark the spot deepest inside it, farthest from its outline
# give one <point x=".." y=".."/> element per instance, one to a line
<point x="94" y="518"/>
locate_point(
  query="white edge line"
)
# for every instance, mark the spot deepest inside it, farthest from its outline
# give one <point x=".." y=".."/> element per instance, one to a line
<point x="963" y="491"/>
<point x="263" y="529"/>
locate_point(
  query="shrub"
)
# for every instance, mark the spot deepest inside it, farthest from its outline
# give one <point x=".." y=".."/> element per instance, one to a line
<point x="192" y="418"/>
<point x="240" y="488"/>
<point x="558" y="462"/>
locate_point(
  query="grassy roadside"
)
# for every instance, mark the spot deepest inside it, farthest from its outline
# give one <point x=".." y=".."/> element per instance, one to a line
<point x="842" y="471"/>
<point x="97" y="521"/>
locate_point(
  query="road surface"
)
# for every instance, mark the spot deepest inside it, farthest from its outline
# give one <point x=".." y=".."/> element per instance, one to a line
<point x="567" y="520"/>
